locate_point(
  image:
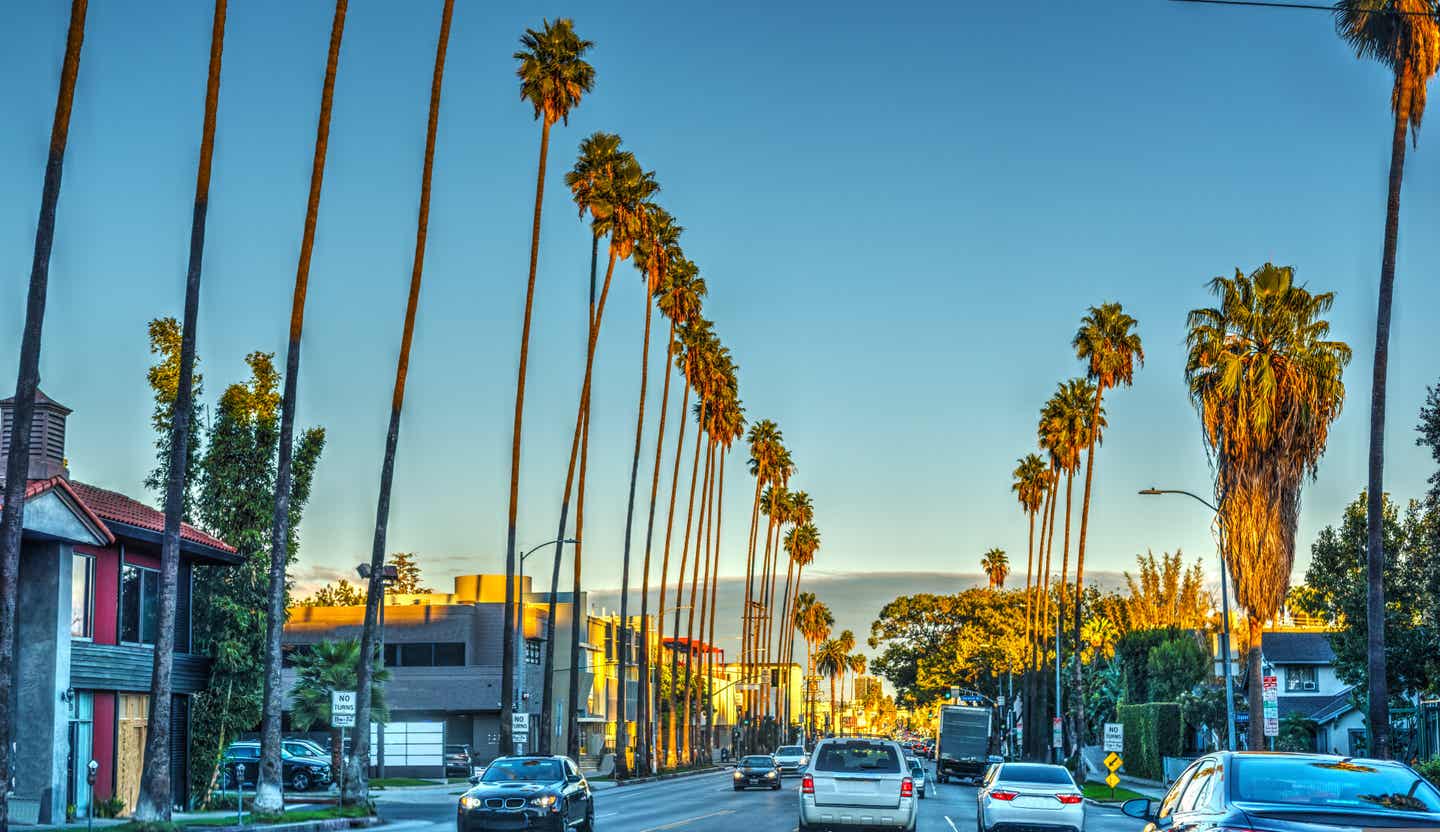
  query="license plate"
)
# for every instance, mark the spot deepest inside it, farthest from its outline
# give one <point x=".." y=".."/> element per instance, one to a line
<point x="1037" y="803"/>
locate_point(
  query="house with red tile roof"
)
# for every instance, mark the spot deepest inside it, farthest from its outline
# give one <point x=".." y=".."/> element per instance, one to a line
<point x="88" y="595"/>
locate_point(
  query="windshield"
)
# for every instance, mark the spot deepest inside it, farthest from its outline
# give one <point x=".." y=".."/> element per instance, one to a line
<point x="916" y="768"/>
<point x="526" y="771"/>
<point x="858" y="756"/>
<point x="789" y="751"/>
<point x="1031" y="773"/>
<point x="1333" y="783"/>
<point x="757" y="761"/>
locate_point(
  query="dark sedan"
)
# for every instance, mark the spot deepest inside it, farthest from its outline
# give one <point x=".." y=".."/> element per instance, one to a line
<point x="301" y="774"/>
<point x="757" y="770"/>
<point x="1292" y="793"/>
<point x="527" y="792"/>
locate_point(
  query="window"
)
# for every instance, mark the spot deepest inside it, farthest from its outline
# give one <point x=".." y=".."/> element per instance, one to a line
<point x="1172" y="797"/>
<point x="533" y="650"/>
<point x="139" y="599"/>
<point x="1301" y="680"/>
<point x="1194" y="796"/>
<point x="857" y="756"/>
<point x="450" y="654"/>
<point x="417" y="655"/>
<point x="82" y="596"/>
<point x="1353" y="786"/>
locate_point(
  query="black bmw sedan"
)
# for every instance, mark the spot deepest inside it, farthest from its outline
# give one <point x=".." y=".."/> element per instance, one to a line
<point x="1265" y="792"/>
<point x="527" y="792"/>
<point x="757" y="770"/>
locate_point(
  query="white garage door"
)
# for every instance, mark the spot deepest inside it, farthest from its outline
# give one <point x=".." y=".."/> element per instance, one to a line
<point x="411" y="744"/>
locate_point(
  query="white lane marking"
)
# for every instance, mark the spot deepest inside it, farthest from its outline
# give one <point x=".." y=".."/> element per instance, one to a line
<point x="606" y="815"/>
<point x="674" y="824"/>
<point x="952" y="823"/>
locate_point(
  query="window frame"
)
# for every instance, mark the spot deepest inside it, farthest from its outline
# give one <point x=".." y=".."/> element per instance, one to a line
<point x="1296" y="675"/>
<point x="88" y="620"/>
<point x="140" y="607"/>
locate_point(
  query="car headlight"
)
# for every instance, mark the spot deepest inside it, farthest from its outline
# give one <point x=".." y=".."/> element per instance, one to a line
<point x="770" y="774"/>
<point x="804" y="761"/>
<point x="544" y="801"/>
<point x="738" y="775"/>
<point x="469" y="802"/>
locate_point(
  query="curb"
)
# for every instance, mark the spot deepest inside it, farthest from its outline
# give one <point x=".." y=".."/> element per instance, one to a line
<point x="636" y="781"/>
<point x="326" y="825"/>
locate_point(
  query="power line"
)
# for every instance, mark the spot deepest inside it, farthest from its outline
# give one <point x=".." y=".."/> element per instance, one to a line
<point x="1302" y="6"/>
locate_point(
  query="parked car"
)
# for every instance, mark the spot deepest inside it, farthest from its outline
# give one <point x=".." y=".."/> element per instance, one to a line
<point x="458" y="760"/>
<point x="790" y="759"/>
<point x="300" y="774"/>
<point x="529" y="792"/>
<point x="857" y="782"/>
<point x="1030" y="796"/>
<point x="917" y="773"/>
<point x="305" y="748"/>
<point x="1290" y="793"/>
<point x="756" y="770"/>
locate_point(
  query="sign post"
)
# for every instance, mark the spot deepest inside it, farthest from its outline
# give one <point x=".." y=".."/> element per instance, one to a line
<point x="1270" y="695"/>
<point x="1057" y="733"/>
<point x="1113" y="761"/>
<point x="342" y="716"/>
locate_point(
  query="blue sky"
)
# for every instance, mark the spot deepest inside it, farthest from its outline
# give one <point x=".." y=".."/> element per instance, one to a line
<point x="902" y="211"/>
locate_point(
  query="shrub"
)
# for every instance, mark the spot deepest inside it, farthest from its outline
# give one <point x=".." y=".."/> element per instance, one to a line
<point x="1296" y="734"/>
<point x="1152" y="733"/>
<point x="110" y="807"/>
<point x="1430" y="770"/>
<point x="1175" y="666"/>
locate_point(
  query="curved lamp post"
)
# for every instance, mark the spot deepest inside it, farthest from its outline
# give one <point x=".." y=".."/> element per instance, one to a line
<point x="519" y="623"/>
<point x="1225" y="611"/>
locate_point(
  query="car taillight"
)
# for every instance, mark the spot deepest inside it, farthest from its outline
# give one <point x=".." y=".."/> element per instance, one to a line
<point x="1069" y="799"/>
<point x="1003" y="795"/>
<point x="907" y="787"/>
<point x="807" y="786"/>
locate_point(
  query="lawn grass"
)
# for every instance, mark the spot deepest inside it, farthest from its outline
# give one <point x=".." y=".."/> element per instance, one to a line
<point x="250" y="820"/>
<point x="382" y="782"/>
<point x="1100" y="791"/>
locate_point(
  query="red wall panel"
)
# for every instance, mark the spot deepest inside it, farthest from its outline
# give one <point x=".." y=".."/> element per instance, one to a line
<point x="104" y="744"/>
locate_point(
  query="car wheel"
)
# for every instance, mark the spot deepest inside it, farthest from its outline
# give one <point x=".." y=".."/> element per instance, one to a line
<point x="776" y="787"/>
<point x="300" y="781"/>
<point x="739" y="788"/>
<point x="588" y="825"/>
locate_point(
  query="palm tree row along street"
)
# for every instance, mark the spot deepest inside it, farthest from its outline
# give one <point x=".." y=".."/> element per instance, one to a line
<point x="1262" y="370"/>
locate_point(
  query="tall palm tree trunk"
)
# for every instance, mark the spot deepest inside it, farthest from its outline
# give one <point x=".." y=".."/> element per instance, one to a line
<point x="669" y="745"/>
<point x="689" y="739"/>
<point x="375" y="592"/>
<point x="718" y="516"/>
<point x="1079" y="680"/>
<point x="644" y="717"/>
<point x="154" y="800"/>
<point x="707" y="598"/>
<point x="676" y="727"/>
<point x="1062" y="585"/>
<point x="545" y="729"/>
<point x="1042" y="735"/>
<point x="27" y="383"/>
<point x="1027" y="694"/>
<point x="582" y="421"/>
<point x="621" y="734"/>
<point x="746" y="622"/>
<point x="268" y="797"/>
<point x="1378" y="709"/>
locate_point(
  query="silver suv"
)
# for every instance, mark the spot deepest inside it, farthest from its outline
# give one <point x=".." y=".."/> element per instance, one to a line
<point x="857" y="782"/>
<point x="790" y="759"/>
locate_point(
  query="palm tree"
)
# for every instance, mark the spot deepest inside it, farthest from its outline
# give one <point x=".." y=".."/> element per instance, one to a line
<point x="1106" y="341"/>
<point x="327" y="667"/>
<point x="154" y="800"/>
<point x="657" y="253"/>
<point x="375" y="591"/>
<point x="27" y="384"/>
<point x="1403" y="35"/>
<point x="554" y="77"/>
<point x="268" y="797"/>
<point x="857" y="664"/>
<point x="846" y="643"/>
<point x="800" y="511"/>
<point x="814" y="621"/>
<point x="729" y="427"/>
<point x="801" y="542"/>
<point x="1265" y="380"/>
<point x="611" y="186"/>
<point x="996" y="566"/>
<point x="830" y="662"/>
<point x="766" y="448"/>
<point x="775" y="503"/>
<point x="1030" y="484"/>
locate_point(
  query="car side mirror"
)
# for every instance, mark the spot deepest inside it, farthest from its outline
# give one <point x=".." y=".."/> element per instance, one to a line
<point x="572" y="778"/>
<point x="474" y="779"/>
<point x="1139" y="808"/>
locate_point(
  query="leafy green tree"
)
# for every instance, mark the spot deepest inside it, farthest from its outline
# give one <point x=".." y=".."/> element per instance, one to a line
<point x="342" y="593"/>
<point x="1337" y="590"/>
<point x="1166" y="594"/>
<point x="1297" y="734"/>
<point x="407" y="576"/>
<point x="164" y="379"/>
<point x="1175" y="666"/>
<point x="324" y="668"/>
<point x="1104" y="691"/>
<point x="234" y="501"/>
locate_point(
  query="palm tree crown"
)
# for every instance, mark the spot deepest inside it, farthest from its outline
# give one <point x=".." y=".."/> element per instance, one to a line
<point x="1109" y="346"/>
<point x="1402" y="35"/>
<point x="996" y="565"/>
<point x="553" y="73"/>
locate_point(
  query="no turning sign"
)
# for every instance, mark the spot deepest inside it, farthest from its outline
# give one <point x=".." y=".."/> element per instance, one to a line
<point x="342" y="709"/>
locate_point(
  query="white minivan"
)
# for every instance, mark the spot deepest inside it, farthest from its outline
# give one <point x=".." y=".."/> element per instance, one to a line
<point x="854" y="781"/>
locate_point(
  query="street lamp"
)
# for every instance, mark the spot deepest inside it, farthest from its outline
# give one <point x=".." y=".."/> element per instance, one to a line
<point x="389" y="574"/>
<point x="518" y="624"/>
<point x="1224" y="611"/>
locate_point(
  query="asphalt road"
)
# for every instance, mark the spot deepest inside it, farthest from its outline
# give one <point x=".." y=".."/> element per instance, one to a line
<point x="708" y="803"/>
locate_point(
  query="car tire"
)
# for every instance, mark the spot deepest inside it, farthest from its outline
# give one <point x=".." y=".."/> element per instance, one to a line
<point x="739" y="788"/>
<point x="776" y="787"/>
<point x="300" y="781"/>
<point x="588" y="825"/>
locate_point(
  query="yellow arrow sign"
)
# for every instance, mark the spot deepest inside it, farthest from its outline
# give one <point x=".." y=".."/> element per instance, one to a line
<point x="1114" y="761"/>
<point x="1111" y="780"/>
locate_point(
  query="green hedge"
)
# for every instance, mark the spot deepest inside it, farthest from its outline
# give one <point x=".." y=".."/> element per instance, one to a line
<point x="1153" y="731"/>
